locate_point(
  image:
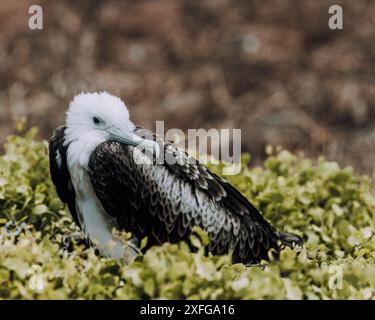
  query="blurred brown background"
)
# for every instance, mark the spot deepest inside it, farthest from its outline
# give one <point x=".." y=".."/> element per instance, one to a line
<point x="272" y="68"/>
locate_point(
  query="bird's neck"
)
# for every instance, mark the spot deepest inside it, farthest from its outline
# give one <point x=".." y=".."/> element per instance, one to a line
<point x="81" y="147"/>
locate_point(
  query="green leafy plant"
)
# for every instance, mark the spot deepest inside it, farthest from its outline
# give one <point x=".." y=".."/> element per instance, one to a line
<point x="330" y="207"/>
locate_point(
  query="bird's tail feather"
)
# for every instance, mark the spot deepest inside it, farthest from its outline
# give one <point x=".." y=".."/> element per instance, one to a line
<point x="290" y="239"/>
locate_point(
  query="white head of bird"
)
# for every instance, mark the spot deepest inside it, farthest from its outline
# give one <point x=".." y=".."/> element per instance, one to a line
<point x="93" y="118"/>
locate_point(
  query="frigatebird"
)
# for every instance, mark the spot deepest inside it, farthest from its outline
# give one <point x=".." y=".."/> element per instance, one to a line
<point x="100" y="165"/>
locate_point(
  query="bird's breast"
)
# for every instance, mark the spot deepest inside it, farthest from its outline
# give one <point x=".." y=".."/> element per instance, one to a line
<point x="93" y="218"/>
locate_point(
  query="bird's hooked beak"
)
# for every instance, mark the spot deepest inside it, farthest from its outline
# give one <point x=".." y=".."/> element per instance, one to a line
<point x="131" y="139"/>
<point x="124" y="136"/>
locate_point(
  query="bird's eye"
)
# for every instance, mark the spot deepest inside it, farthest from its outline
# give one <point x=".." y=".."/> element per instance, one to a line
<point x="96" y="120"/>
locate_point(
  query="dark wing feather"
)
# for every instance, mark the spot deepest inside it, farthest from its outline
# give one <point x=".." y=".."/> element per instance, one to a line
<point x="165" y="201"/>
<point x="59" y="171"/>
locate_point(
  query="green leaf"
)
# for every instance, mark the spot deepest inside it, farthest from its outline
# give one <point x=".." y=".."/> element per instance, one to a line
<point x="40" y="209"/>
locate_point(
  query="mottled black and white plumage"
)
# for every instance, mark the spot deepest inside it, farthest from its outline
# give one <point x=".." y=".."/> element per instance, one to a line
<point x="100" y="164"/>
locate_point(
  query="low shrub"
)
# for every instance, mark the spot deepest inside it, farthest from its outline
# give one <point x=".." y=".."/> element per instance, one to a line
<point x="330" y="207"/>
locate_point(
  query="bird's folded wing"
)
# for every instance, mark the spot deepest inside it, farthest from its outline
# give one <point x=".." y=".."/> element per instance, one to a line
<point x="164" y="201"/>
<point x="59" y="171"/>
